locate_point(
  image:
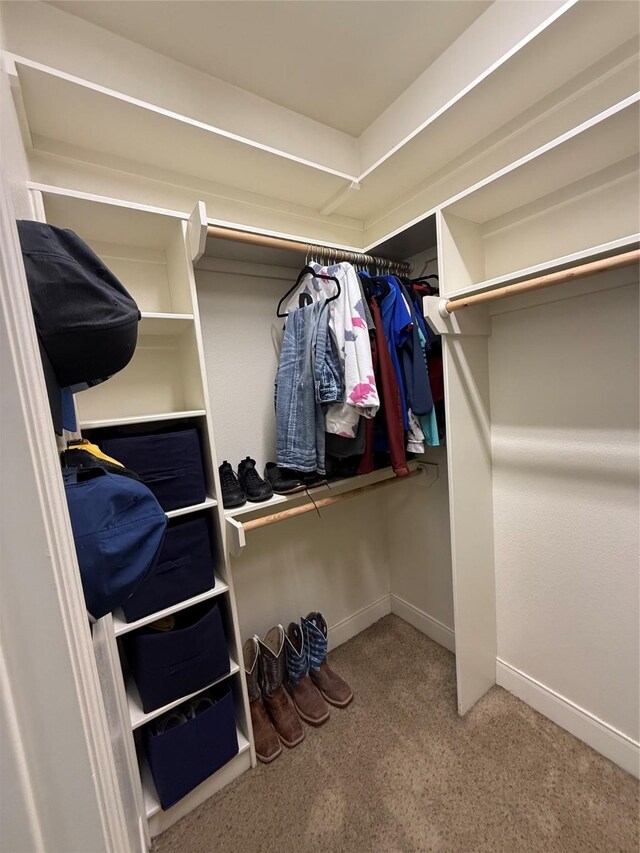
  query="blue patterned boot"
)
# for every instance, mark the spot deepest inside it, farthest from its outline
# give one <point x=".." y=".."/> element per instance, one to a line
<point x="306" y="697"/>
<point x="334" y="689"/>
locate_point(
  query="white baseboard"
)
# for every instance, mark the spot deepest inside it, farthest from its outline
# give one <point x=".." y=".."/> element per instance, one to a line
<point x="423" y="622"/>
<point x="358" y="621"/>
<point x="614" y="745"/>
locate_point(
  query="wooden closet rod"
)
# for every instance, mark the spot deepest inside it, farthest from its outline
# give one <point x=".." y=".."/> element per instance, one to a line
<point x="325" y="252"/>
<point x="254" y="523"/>
<point x="612" y="263"/>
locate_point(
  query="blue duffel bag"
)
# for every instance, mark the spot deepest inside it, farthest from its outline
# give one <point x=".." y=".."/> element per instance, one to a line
<point x="118" y="528"/>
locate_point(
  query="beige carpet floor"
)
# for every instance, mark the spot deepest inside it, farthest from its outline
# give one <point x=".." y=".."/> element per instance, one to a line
<point x="399" y="771"/>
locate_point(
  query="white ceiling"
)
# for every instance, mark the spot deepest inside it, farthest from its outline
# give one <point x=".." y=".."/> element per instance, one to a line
<point x="314" y="57"/>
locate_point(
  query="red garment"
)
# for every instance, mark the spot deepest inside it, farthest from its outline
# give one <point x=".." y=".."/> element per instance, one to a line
<point x="390" y="403"/>
<point x="436" y="375"/>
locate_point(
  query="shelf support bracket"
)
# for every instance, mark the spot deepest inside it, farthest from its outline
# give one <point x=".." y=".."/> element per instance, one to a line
<point x="430" y="474"/>
<point x="473" y="321"/>
<point x="197" y="231"/>
<point x="236" y="540"/>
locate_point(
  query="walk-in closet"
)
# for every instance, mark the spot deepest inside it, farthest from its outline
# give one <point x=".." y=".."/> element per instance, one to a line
<point x="424" y="633"/>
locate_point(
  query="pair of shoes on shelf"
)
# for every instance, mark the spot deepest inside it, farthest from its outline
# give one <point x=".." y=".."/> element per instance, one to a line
<point x="284" y="481"/>
<point x="178" y="718"/>
<point x="246" y="485"/>
<point x="296" y="659"/>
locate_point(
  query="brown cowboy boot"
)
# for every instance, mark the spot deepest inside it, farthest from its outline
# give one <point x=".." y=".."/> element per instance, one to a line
<point x="276" y="699"/>
<point x="306" y="697"/>
<point x="334" y="689"/>
<point x="264" y="735"/>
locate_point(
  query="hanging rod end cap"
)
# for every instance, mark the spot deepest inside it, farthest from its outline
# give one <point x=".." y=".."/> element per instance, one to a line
<point x="443" y="311"/>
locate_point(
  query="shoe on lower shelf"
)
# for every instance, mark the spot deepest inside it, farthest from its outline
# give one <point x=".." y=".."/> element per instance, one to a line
<point x="255" y="488"/>
<point x="232" y="492"/>
<point x="283" y="481"/>
<point x="311" y="479"/>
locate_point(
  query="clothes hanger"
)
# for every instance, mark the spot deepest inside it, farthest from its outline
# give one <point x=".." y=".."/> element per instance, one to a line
<point x="308" y="270"/>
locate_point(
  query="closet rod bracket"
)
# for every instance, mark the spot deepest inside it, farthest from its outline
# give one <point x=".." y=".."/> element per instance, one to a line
<point x="430" y="473"/>
<point x="476" y="321"/>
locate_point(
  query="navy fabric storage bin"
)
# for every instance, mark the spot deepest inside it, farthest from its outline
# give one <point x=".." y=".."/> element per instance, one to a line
<point x="184" y="569"/>
<point x="169" y="463"/>
<point x="169" y="664"/>
<point x="184" y="756"/>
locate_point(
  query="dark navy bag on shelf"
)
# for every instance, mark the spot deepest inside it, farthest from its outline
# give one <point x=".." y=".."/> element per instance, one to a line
<point x="184" y="568"/>
<point x="169" y="463"/>
<point x="183" y="756"/>
<point x="169" y="664"/>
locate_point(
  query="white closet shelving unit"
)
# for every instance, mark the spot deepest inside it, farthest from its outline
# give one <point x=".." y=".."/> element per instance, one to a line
<point x="165" y="382"/>
<point x="573" y="199"/>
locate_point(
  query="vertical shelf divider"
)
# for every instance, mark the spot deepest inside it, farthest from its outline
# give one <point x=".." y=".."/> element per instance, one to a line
<point x="194" y="238"/>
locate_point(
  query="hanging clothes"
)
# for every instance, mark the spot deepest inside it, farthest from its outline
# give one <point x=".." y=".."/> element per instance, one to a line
<point x="308" y="378"/>
<point x="340" y="446"/>
<point x="428" y="422"/>
<point x="348" y="324"/>
<point x="389" y="420"/>
<point x="433" y="355"/>
<point x="414" y="365"/>
<point x="396" y="320"/>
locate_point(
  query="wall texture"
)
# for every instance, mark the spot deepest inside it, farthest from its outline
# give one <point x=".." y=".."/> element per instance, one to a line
<point x="564" y="407"/>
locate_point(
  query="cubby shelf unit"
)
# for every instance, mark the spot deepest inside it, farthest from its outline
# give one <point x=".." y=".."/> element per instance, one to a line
<point x="148" y="250"/>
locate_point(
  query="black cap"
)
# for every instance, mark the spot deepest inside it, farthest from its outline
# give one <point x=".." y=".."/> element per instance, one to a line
<point x="87" y="322"/>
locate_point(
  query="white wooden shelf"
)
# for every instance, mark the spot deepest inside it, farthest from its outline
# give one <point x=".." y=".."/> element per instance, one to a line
<point x="162" y="376"/>
<point x="141" y="419"/>
<point x="121" y="626"/>
<point x="143" y="246"/>
<point x="547" y="210"/>
<point x="593" y="253"/>
<point x="73" y="111"/>
<point x="164" y="324"/>
<point x="235" y="528"/>
<point x="139" y="717"/>
<point x="187" y="510"/>
<point x="152" y="804"/>
<point x="333" y="488"/>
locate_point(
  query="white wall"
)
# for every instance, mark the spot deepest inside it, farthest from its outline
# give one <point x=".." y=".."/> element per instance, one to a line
<point x="564" y="406"/>
<point x="419" y="532"/>
<point x="420" y="555"/>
